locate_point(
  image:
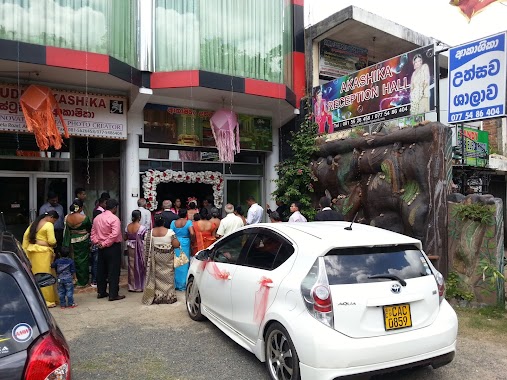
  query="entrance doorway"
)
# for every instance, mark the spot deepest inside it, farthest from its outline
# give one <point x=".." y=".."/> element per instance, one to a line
<point x="23" y="194"/>
<point x="238" y="189"/>
<point x="182" y="191"/>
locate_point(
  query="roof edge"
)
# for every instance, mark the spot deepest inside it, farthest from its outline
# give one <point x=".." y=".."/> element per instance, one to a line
<point x="323" y="28"/>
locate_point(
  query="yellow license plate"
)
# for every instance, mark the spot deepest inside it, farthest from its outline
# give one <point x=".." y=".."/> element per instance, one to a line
<point x="397" y="317"/>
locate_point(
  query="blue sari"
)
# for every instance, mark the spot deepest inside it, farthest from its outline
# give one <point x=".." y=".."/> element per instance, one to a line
<point x="183" y="235"/>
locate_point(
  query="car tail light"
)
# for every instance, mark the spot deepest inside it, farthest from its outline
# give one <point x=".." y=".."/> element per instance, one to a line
<point x="48" y="359"/>
<point x="317" y="293"/>
<point x="440" y="284"/>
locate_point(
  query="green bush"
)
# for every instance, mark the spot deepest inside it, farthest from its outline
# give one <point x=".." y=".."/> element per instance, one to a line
<point x="484" y="214"/>
<point x="295" y="178"/>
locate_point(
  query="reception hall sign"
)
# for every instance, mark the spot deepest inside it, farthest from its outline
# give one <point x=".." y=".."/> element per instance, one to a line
<point x="398" y="87"/>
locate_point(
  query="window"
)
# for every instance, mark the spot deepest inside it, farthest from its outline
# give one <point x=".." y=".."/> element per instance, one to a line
<point x="230" y="250"/>
<point x="16" y="318"/>
<point x="286" y="251"/>
<point x="268" y="252"/>
<point x="355" y="265"/>
<point x="263" y="251"/>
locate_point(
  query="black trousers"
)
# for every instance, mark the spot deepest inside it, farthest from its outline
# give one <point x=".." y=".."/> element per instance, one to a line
<point x="108" y="270"/>
<point x="59" y="241"/>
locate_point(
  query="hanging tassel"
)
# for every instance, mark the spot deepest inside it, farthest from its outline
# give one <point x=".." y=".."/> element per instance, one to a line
<point x="38" y="104"/>
<point x="225" y="129"/>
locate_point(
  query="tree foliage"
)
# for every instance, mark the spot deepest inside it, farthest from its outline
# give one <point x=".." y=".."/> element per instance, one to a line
<point x="295" y="179"/>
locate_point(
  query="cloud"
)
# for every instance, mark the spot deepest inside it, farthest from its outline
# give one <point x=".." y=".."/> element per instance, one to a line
<point x="81" y="28"/>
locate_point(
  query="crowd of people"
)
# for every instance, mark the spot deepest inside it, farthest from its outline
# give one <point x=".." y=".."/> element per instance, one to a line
<point x="86" y="251"/>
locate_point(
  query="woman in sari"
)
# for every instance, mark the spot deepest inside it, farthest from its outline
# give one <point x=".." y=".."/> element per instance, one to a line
<point x="192" y="208"/>
<point x="183" y="229"/>
<point x="76" y="237"/>
<point x="38" y="242"/>
<point x="134" y="235"/>
<point x="204" y="231"/>
<point x="159" y="245"/>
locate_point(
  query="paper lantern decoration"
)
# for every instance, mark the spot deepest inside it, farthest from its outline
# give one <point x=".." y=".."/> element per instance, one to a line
<point x="225" y="128"/>
<point x="38" y="104"/>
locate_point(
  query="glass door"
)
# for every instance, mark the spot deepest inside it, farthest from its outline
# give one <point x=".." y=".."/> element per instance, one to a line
<point x="15" y="203"/>
<point x="52" y="184"/>
<point x="238" y="189"/>
<point x="23" y="194"/>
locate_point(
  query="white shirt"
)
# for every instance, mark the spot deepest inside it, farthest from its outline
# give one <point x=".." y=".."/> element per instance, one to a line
<point x="254" y="215"/>
<point x="145" y="218"/>
<point x="297" y="217"/>
<point x="229" y="224"/>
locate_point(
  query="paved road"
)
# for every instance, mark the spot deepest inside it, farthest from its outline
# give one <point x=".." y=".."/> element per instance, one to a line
<point x="127" y="340"/>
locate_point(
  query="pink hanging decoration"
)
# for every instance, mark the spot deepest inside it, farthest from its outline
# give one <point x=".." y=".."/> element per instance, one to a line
<point x="261" y="299"/>
<point x="223" y="125"/>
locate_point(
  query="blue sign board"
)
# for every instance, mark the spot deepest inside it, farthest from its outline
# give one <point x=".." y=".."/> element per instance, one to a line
<point x="477" y="79"/>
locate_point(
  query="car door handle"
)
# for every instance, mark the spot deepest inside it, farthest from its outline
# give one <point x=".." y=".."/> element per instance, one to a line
<point x="269" y="285"/>
<point x="229" y="278"/>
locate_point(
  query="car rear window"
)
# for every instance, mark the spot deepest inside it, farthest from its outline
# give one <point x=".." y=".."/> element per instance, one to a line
<point x="355" y="265"/>
<point x="17" y="325"/>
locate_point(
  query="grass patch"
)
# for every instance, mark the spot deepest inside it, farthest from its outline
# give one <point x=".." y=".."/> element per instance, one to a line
<point x="488" y="323"/>
<point x="110" y="365"/>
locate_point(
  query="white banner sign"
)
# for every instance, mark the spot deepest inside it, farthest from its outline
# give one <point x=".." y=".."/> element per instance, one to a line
<point x="477" y="79"/>
<point x="86" y="115"/>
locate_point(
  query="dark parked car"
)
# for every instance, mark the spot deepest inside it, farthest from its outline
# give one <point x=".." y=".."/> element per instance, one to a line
<point x="32" y="347"/>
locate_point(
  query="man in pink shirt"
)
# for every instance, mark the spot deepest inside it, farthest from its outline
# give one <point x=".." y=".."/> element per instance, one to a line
<point x="107" y="236"/>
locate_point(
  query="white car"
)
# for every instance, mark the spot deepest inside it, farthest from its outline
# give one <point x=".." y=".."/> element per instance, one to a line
<point x="322" y="300"/>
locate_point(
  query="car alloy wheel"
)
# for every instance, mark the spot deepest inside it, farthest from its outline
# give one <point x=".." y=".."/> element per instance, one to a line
<point x="193" y="301"/>
<point x="281" y="358"/>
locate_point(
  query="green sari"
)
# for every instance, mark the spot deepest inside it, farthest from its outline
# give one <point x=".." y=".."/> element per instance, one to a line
<point x="77" y="238"/>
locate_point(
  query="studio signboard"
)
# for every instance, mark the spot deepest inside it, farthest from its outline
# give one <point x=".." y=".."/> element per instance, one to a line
<point x="86" y="115"/>
<point x="338" y="59"/>
<point x="168" y="125"/>
<point x="398" y="87"/>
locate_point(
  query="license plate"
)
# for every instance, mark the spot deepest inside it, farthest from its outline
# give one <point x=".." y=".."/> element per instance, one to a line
<point x="397" y="317"/>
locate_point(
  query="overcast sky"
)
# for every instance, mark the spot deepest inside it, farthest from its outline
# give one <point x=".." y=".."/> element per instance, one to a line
<point x="433" y="18"/>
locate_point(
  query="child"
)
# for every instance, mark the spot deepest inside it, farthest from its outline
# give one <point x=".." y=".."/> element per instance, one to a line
<point x="65" y="271"/>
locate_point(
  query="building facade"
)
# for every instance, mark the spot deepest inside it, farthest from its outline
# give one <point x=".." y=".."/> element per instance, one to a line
<point x="358" y="44"/>
<point x="138" y="82"/>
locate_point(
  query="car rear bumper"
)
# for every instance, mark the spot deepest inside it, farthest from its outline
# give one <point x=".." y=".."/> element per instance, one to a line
<point x="325" y="353"/>
<point x="308" y="372"/>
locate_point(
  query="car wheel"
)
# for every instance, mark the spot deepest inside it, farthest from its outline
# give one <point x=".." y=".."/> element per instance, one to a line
<point x="282" y="359"/>
<point x="193" y="301"/>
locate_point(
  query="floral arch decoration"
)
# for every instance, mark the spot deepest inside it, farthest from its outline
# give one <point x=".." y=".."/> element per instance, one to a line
<point x="152" y="178"/>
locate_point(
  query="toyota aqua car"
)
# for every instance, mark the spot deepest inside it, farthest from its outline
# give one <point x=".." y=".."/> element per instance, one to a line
<point x="323" y="300"/>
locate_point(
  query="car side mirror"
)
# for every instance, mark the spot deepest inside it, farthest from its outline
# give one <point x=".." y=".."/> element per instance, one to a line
<point x="44" y="279"/>
<point x="203" y="255"/>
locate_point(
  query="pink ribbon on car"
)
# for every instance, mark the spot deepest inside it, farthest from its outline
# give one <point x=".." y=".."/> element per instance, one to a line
<point x="261" y="299"/>
<point x="214" y="270"/>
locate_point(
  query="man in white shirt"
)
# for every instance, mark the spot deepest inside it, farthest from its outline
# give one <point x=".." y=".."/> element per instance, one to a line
<point x="296" y="215"/>
<point x="145" y="214"/>
<point x="230" y="223"/>
<point x="255" y="211"/>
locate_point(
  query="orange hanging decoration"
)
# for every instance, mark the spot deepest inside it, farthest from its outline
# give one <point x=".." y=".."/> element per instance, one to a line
<point x="38" y="104"/>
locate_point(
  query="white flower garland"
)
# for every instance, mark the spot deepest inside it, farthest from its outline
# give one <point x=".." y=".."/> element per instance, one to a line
<point x="152" y="178"/>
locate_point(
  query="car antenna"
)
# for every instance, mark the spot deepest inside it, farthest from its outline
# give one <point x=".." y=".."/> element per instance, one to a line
<point x="349" y="228"/>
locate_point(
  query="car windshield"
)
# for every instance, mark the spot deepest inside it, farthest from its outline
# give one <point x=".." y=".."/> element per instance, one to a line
<point x="371" y="264"/>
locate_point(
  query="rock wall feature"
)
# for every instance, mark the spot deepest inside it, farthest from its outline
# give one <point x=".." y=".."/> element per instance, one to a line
<point x="476" y="249"/>
<point x="397" y="181"/>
